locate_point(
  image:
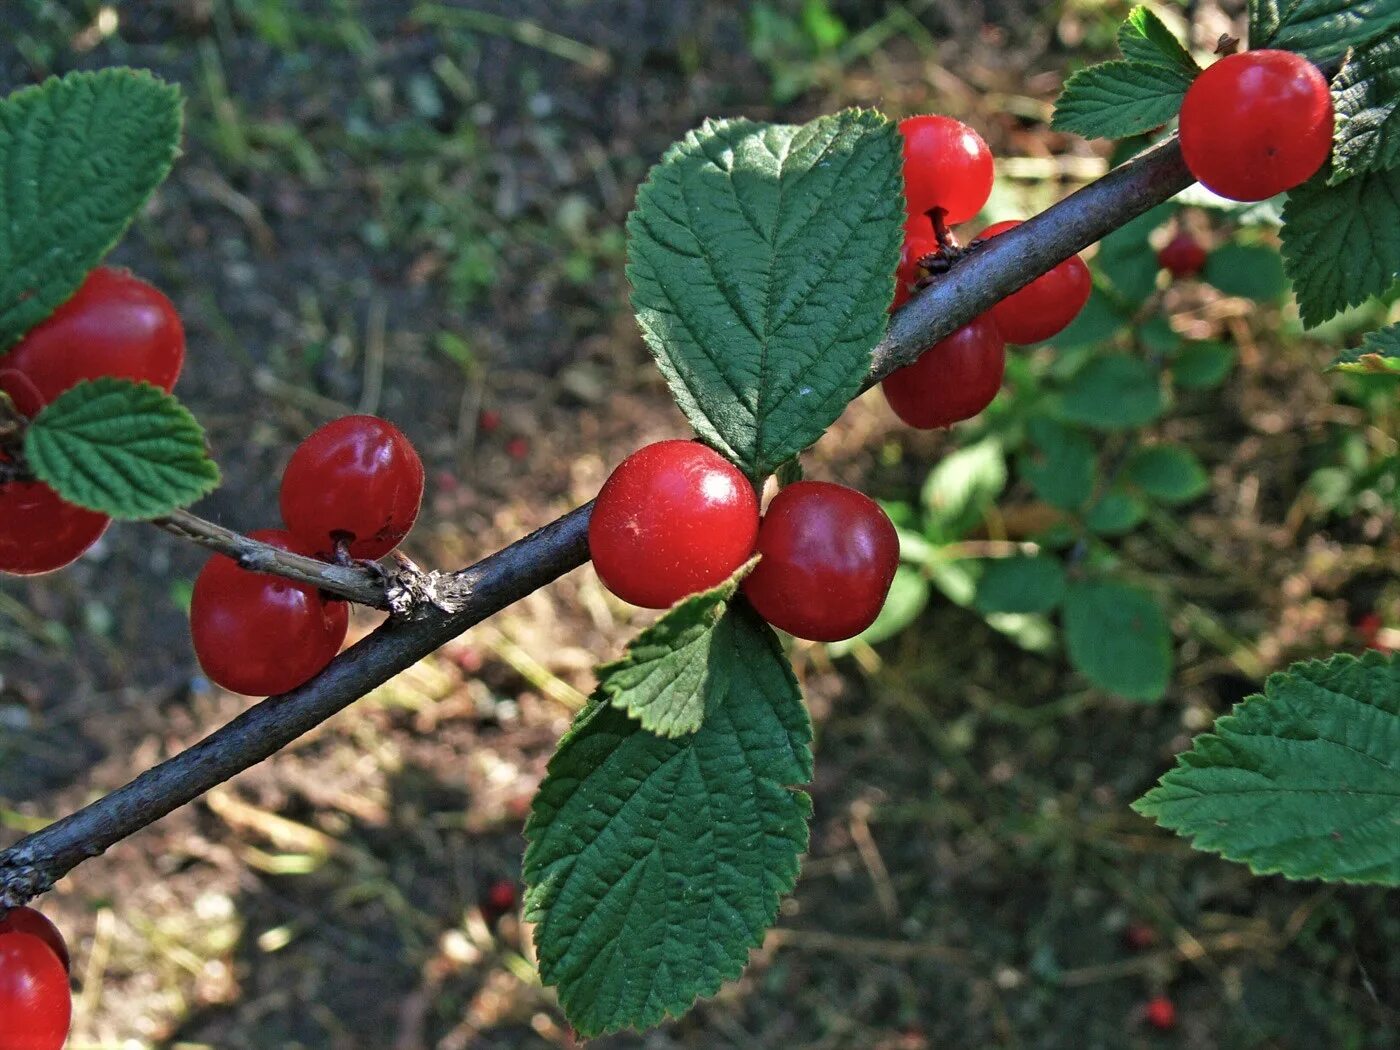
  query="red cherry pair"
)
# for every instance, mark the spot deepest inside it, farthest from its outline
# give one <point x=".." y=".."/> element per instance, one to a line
<point x="353" y="487"/>
<point x="36" y="1004"/>
<point x="676" y="518"/>
<point x="114" y="325"/>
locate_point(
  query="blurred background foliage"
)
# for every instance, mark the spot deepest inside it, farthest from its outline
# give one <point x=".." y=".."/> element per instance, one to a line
<point x="416" y="209"/>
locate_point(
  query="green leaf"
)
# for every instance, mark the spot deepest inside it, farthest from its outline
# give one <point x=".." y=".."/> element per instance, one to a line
<point x="1020" y="585"/>
<point x="670" y="669"/>
<point x="962" y="486"/>
<point x="1168" y="473"/>
<point x="78" y="159"/>
<point x="1200" y="366"/>
<point x="1379" y="352"/>
<point x="1341" y="244"/>
<point x="1144" y="38"/>
<point x="1116" y="514"/>
<point x="1366" y="99"/>
<point x="1253" y="271"/>
<point x="654" y="865"/>
<point x="1098" y="322"/>
<point x="1060" y="463"/>
<point x="1157" y="335"/>
<point x="1116" y="99"/>
<point x="1126" y="258"/>
<point x="1303" y="781"/>
<point x="1112" y="392"/>
<point x="1117" y="637"/>
<point x="1264" y="20"/>
<point x="762" y="263"/>
<point x="1326" y="28"/>
<point x="126" y="449"/>
<point x="909" y="593"/>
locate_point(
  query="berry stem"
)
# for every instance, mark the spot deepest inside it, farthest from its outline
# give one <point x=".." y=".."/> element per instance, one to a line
<point x="1000" y="267"/>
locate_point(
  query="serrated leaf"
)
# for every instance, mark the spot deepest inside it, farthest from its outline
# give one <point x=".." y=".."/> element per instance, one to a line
<point x="1143" y="37"/>
<point x="762" y="263"/>
<point x="79" y="156"/>
<point x="958" y="491"/>
<point x="654" y="865"/>
<point x="1302" y="781"/>
<point x="1059" y="464"/>
<point x="1116" y="514"/>
<point x="1341" y="244"/>
<point x="1117" y="637"/>
<point x="909" y="594"/>
<point x="1168" y="473"/>
<point x="126" y="449"/>
<point x="1200" y="366"/>
<point x="1116" y="99"/>
<point x="1366" y="100"/>
<point x="670" y="669"/>
<point x="1264" y="19"/>
<point x="1112" y="392"/>
<point x="1326" y="28"/>
<point x="1252" y="271"/>
<point x="1020" y="585"/>
<point x="1378" y="353"/>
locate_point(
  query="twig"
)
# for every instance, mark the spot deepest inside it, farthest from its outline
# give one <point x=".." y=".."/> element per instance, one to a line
<point x="972" y="286"/>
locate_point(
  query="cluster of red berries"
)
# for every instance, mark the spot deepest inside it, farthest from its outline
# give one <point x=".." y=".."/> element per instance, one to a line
<point x="676" y="518"/>
<point x="351" y="490"/>
<point x="36" y="1004"/>
<point x="114" y="325"/>
<point x="947" y="179"/>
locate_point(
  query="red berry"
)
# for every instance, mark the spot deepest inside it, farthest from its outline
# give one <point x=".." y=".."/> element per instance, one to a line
<point x="114" y="325"/>
<point x="1160" y="1013"/>
<point x="1256" y="124"/>
<point x="1182" y="256"/>
<point x="947" y="166"/>
<point x="501" y="897"/>
<point x="41" y="533"/>
<point x="828" y="557"/>
<point x="951" y="381"/>
<point x="518" y="448"/>
<point x="357" y="479"/>
<point x="1139" y="936"/>
<point x="258" y="634"/>
<point x="489" y="421"/>
<point x="916" y="247"/>
<point x="36" y="1004"/>
<point x="674" y="518"/>
<point x="1045" y="306"/>
<point x="27" y="920"/>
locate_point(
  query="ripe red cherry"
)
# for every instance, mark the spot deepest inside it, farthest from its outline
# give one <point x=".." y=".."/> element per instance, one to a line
<point x="36" y="1004"/>
<point x="1160" y="1013"/>
<point x="357" y="479"/>
<point x="1045" y="306"/>
<point x="674" y="518"/>
<point x="947" y="166"/>
<point x="951" y="381"/>
<point x="828" y="557"/>
<point x="916" y="247"/>
<point x="1182" y="256"/>
<point x="27" y="920"/>
<point x="258" y="634"/>
<point x="114" y="325"/>
<point x="41" y="533"/>
<point x="1256" y="124"/>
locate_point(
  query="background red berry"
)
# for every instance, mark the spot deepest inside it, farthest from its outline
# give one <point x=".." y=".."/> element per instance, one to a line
<point x="502" y="897"/>
<point x="1160" y="1013"/>
<point x="1256" y="124"/>
<point x="946" y="165"/>
<point x="36" y="1004"/>
<point x="357" y="479"/>
<point x="952" y="380"/>
<point x="1182" y="256"/>
<point x="1047" y="305"/>
<point x="41" y="533"/>
<point x="828" y="556"/>
<point x="258" y="634"/>
<point x="114" y="325"/>
<point x="27" y="920"/>
<point x="674" y="518"/>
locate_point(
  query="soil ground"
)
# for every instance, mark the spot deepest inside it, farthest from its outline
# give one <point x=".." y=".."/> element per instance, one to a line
<point x="416" y="210"/>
